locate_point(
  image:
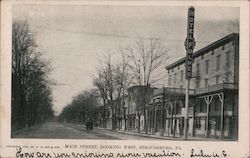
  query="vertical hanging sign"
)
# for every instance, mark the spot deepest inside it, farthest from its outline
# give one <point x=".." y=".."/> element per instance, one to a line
<point x="190" y="42"/>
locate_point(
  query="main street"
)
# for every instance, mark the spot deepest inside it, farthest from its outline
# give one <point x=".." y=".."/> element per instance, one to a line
<point x="71" y="131"/>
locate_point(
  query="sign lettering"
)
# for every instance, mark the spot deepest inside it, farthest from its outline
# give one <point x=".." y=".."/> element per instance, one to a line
<point x="190" y="43"/>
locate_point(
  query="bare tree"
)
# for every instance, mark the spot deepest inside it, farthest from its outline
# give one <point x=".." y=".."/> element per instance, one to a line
<point x="100" y="82"/>
<point x="31" y="95"/>
<point x="112" y="81"/>
<point x="146" y="61"/>
<point x="105" y="83"/>
<point x="122" y="82"/>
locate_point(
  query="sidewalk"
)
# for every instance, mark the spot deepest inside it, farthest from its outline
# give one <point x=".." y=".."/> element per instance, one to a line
<point x="143" y="134"/>
<point x="163" y="137"/>
<point x="134" y="135"/>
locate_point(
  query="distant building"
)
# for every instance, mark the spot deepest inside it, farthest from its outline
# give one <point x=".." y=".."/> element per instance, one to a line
<point x="138" y="97"/>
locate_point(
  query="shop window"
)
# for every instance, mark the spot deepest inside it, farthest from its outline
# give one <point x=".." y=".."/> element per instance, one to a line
<point x="218" y="123"/>
<point x="216" y="104"/>
<point x="178" y="108"/>
<point x="198" y="123"/>
<point x="203" y="107"/>
<point x="169" y="120"/>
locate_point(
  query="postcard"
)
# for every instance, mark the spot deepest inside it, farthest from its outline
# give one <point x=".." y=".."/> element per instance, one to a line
<point x="124" y="79"/>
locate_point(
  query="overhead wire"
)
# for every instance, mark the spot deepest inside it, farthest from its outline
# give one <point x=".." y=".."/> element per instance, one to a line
<point x="116" y="35"/>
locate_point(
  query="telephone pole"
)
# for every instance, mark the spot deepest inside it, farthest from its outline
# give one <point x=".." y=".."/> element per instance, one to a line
<point x="189" y="45"/>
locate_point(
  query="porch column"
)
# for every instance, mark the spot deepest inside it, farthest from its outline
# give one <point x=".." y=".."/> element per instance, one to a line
<point x="167" y="118"/>
<point x="163" y="118"/>
<point x="221" y="97"/>
<point x="171" y="120"/>
<point x="155" y="118"/>
<point x="150" y="119"/>
<point x="208" y="100"/>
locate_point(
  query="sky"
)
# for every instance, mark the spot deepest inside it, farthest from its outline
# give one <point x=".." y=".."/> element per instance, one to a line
<point x="74" y="37"/>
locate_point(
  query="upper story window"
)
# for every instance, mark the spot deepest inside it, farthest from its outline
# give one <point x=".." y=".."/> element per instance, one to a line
<point x="218" y="62"/>
<point x="169" y="80"/>
<point x="198" y="69"/>
<point x="207" y="66"/>
<point x="228" y="77"/>
<point x="202" y="56"/>
<point x="181" y="86"/>
<point x="175" y="79"/>
<point x="228" y="59"/>
<point x="198" y="83"/>
<point x="206" y="82"/>
<point x="182" y="73"/>
<point x="222" y="47"/>
<point x="217" y="78"/>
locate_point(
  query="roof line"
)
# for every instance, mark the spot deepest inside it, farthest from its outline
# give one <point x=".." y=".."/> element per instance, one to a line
<point x="203" y="50"/>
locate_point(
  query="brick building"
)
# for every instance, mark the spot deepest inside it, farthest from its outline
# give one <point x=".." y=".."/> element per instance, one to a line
<point x="214" y="100"/>
<point x="213" y="93"/>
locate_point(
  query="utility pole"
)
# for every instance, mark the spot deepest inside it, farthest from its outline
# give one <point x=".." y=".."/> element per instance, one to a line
<point x="189" y="45"/>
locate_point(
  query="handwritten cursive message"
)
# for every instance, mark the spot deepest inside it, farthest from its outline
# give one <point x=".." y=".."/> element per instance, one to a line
<point x="85" y="154"/>
<point x="201" y="153"/>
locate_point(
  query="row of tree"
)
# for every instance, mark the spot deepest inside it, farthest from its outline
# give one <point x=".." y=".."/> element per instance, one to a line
<point x="83" y="108"/>
<point x="141" y="64"/>
<point x="31" y="102"/>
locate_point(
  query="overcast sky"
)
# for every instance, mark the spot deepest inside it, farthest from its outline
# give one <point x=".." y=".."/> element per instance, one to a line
<point x="74" y="37"/>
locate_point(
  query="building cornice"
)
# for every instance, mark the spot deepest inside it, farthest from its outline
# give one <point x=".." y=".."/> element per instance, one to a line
<point x="206" y="49"/>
